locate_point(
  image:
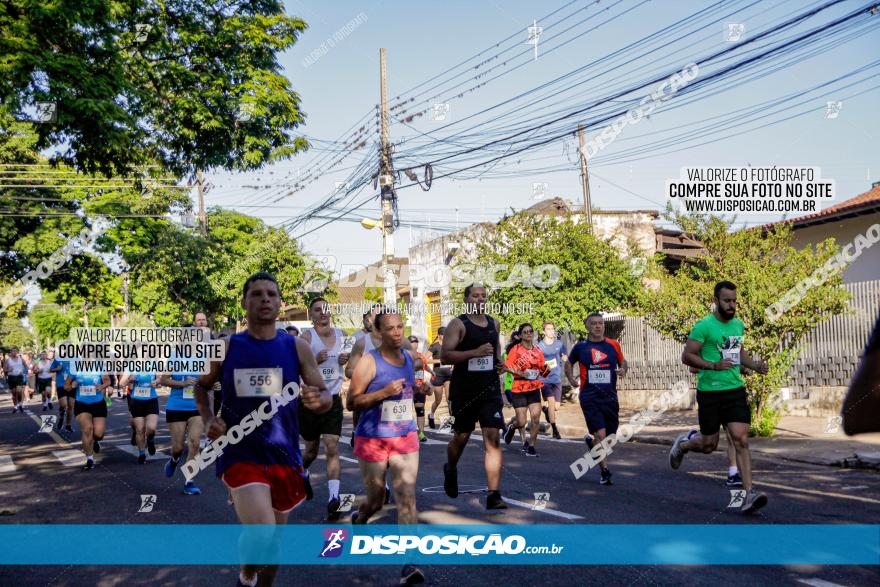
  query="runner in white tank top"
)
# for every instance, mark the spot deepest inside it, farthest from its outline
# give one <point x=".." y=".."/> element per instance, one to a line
<point x="326" y="343"/>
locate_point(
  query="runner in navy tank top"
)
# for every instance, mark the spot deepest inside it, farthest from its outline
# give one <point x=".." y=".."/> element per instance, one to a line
<point x="261" y="371"/>
<point x="472" y="346"/>
<point x="382" y="389"/>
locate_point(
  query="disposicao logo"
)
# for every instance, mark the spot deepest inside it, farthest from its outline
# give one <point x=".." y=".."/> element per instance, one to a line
<point x="334" y="539"/>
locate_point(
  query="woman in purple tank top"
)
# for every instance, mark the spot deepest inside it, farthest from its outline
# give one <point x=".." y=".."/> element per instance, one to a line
<point x="386" y="436"/>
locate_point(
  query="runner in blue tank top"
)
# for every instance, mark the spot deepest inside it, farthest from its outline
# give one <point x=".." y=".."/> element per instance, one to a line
<point x="184" y="422"/>
<point x="143" y="405"/>
<point x="259" y="458"/>
<point x="382" y="389"/>
<point x="90" y="410"/>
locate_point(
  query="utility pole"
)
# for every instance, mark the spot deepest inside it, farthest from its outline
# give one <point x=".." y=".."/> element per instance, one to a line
<point x="386" y="182"/>
<point x="585" y="179"/>
<point x="203" y="219"/>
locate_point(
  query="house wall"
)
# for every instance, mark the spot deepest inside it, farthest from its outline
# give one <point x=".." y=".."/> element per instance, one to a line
<point x="867" y="266"/>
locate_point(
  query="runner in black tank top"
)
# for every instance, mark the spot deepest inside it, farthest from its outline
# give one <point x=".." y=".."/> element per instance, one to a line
<point x="471" y="345"/>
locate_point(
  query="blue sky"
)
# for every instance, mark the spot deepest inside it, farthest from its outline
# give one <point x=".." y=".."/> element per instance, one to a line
<point x="424" y="39"/>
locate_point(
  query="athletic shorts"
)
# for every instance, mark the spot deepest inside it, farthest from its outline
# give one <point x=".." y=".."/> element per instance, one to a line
<point x="312" y="425"/>
<point x="526" y="398"/>
<point x="441" y="375"/>
<point x="720" y="407"/>
<point x="180" y="415"/>
<point x="43" y="384"/>
<point x="485" y="410"/>
<point x="61" y="392"/>
<point x="379" y="450"/>
<point x="97" y="409"/>
<point x="286" y="486"/>
<point x="141" y="408"/>
<point x="15" y="381"/>
<point x="601" y="413"/>
<point x="553" y="390"/>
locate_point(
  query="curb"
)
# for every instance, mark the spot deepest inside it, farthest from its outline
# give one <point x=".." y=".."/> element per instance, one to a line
<point x="870" y="461"/>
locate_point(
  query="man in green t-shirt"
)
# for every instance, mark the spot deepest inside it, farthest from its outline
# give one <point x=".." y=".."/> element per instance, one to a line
<point x="715" y="348"/>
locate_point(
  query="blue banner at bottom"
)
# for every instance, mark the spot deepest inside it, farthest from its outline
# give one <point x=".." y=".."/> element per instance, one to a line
<point x="643" y="544"/>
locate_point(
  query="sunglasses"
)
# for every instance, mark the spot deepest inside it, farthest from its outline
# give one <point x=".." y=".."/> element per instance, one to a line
<point x="527" y="332"/>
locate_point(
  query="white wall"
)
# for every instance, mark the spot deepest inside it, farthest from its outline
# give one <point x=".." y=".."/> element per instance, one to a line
<point x="867" y="266"/>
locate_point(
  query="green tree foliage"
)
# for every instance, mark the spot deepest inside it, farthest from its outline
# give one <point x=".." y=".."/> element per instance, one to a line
<point x="174" y="92"/>
<point x="54" y="322"/>
<point x="764" y="266"/>
<point x="14" y="335"/>
<point x="592" y="275"/>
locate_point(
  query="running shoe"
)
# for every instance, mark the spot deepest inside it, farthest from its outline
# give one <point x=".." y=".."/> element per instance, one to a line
<point x="734" y="480"/>
<point x="450" y="481"/>
<point x="605" y="478"/>
<point x="88" y="466"/>
<point x="556" y="434"/>
<point x="68" y="428"/>
<point x="142" y="458"/>
<point x="525" y="446"/>
<point x="151" y="445"/>
<point x="170" y="466"/>
<point x="676" y="454"/>
<point x="133" y="440"/>
<point x="494" y="501"/>
<point x="411" y="575"/>
<point x="531" y="452"/>
<point x="190" y="489"/>
<point x="333" y="509"/>
<point x="509" y="431"/>
<point x="432" y="423"/>
<point x="422" y="437"/>
<point x="50" y="405"/>
<point x="96" y="447"/>
<point x="588" y="440"/>
<point x="546" y="411"/>
<point x="45" y="407"/>
<point x="753" y="502"/>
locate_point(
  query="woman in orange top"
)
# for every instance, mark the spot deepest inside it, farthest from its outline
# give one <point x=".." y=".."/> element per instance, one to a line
<point x="526" y="362"/>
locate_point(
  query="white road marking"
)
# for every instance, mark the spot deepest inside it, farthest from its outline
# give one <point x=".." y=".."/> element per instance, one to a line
<point x="55" y="436"/>
<point x="547" y="511"/>
<point x="796" y="489"/>
<point x="819" y="583"/>
<point x="854" y="487"/>
<point x="350" y="460"/>
<point x="69" y="458"/>
<point x="6" y="464"/>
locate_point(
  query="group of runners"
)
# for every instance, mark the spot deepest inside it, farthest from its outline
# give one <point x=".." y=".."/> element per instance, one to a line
<point x="266" y="473"/>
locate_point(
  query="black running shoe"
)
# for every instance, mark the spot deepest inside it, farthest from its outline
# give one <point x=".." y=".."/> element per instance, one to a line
<point x="88" y="466"/>
<point x="333" y="509"/>
<point x="431" y="423"/>
<point x="450" y="481"/>
<point x="50" y="405"/>
<point x="556" y="435"/>
<point x="734" y="480"/>
<point x="142" y="458"/>
<point x="411" y="575"/>
<point x="605" y="478"/>
<point x="133" y="440"/>
<point x="310" y="493"/>
<point x="45" y="408"/>
<point x="531" y="452"/>
<point x="151" y="445"/>
<point x="68" y="428"/>
<point x="96" y="447"/>
<point x="508" y="434"/>
<point x="494" y="501"/>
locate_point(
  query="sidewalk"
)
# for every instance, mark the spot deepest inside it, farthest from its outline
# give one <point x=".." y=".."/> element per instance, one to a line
<point x="796" y="438"/>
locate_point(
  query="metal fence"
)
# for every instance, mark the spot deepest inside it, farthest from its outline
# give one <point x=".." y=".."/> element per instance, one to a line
<point x="829" y="357"/>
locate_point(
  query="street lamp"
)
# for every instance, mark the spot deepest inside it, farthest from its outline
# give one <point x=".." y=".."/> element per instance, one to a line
<point x="371" y="224"/>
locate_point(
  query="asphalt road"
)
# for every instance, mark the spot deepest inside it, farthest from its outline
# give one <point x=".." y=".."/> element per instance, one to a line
<point x="40" y="483"/>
